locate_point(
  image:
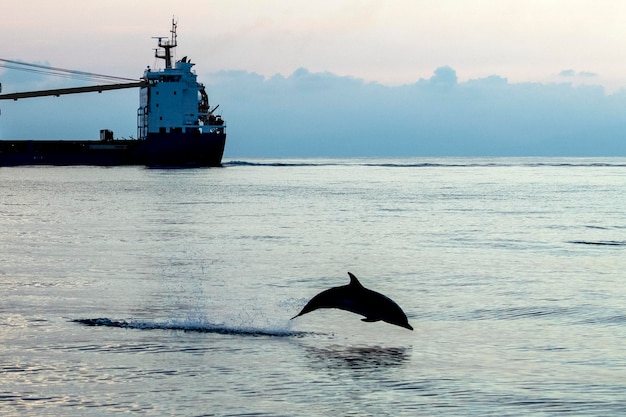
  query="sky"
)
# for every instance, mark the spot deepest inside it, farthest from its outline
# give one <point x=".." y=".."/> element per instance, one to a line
<point x="343" y="77"/>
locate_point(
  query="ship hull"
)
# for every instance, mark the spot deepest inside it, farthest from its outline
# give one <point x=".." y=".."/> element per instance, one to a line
<point x="173" y="149"/>
<point x="191" y="148"/>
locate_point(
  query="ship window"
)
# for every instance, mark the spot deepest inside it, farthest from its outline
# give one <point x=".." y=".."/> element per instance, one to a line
<point x="160" y="117"/>
<point x="174" y="92"/>
<point x="169" y="78"/>
<point x="157" y="104"/>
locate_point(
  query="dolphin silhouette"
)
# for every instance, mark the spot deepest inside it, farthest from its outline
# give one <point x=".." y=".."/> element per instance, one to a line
<point x="355" y="298"/>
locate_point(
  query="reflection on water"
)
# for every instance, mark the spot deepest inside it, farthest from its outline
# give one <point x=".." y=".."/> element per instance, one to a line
<point x="357" y="357"/>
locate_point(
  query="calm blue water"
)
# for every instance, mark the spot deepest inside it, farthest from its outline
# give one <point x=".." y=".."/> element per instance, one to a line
<point x="511" y="272"/>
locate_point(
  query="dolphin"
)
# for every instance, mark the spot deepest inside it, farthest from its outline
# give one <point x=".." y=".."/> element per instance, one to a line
<point x="355" y="298"/>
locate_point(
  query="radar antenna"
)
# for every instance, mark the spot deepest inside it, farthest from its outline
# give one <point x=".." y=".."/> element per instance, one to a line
<point x="167" y="45"/>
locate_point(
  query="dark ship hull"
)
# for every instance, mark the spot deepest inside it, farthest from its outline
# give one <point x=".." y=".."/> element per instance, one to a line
<point x="182" y="149"/>
<point x="67" y="152"/>
<point x="172" y="149"/>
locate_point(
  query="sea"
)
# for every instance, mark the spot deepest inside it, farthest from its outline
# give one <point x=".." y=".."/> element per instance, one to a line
<point x="170" y="292"/>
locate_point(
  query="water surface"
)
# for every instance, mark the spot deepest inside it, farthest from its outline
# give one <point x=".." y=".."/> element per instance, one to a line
<point x="169" y="292"/>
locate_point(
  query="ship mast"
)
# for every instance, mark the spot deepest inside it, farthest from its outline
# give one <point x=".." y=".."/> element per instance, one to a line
<point x="167" y="45"/>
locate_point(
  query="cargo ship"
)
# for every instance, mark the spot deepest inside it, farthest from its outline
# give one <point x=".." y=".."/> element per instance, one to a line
<point x="176" y="126"/>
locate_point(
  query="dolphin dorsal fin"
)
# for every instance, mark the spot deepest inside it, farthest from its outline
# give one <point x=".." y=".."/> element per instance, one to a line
<point x="353" y="281"/>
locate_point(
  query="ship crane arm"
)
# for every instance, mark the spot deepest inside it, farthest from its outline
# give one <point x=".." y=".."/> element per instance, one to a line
<point x="74" y="90"/>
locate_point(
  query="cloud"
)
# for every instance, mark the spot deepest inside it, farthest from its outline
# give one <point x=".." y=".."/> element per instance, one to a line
<point x="443" y="77"/>
<point x="321" y="114"/>
<point x="573" y="73"/>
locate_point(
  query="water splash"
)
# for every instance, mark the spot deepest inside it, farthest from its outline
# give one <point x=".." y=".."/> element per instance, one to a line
<point x="200" y="326"/>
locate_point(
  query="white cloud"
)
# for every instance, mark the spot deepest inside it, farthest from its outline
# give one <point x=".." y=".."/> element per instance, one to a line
<point x="321" y="114"/>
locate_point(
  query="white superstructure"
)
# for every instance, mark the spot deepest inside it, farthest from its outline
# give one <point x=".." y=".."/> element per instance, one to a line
<point x="173" y="101"/>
